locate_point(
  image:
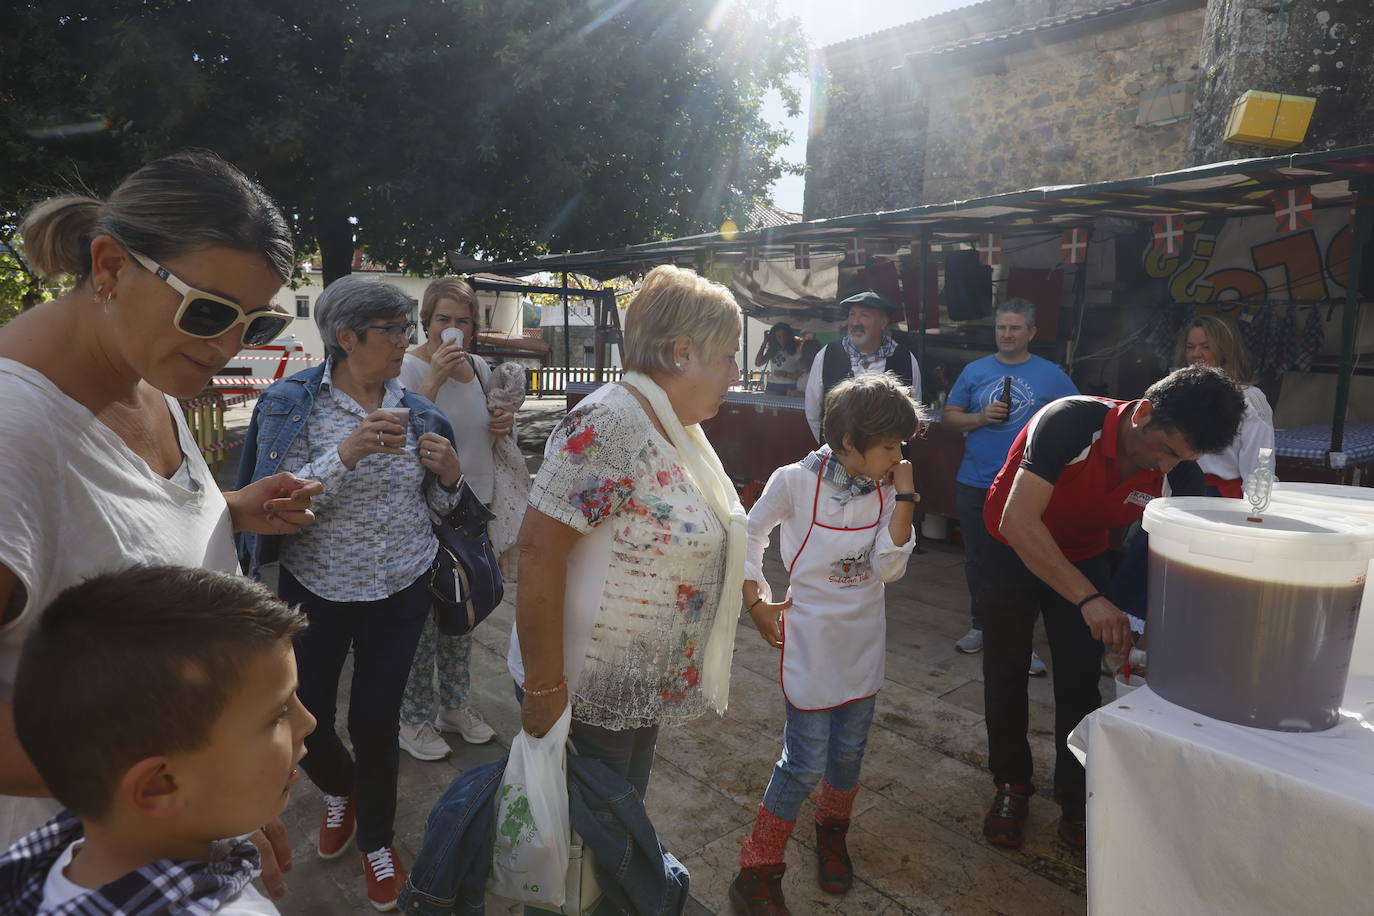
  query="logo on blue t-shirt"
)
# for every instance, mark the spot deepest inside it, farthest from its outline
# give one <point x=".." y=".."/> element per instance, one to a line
<point x="1022" y="399"/>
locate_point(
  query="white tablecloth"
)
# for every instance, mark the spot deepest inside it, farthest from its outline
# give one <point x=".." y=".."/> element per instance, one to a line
<point x="1188" y="814"/>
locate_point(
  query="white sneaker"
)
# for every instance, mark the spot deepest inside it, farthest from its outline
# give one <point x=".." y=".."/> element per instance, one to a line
<point x="422" y="742"/>
<point x="1037" y="667"/>
<point x="467" y="722"/>
<point x="970" y="643"/>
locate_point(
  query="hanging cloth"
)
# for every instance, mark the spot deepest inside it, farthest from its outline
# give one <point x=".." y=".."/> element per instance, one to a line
<point x="1313" y="339"/>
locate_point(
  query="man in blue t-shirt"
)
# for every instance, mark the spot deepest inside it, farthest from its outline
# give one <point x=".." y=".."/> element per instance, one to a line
<point x="976" y="408"/>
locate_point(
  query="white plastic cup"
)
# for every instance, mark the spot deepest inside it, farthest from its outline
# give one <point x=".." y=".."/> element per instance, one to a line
<point x="1125" y="685"/>
<point x="452" y="335"/>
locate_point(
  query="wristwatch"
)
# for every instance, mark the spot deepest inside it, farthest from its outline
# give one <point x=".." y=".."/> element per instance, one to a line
<point x="908" y="497"/>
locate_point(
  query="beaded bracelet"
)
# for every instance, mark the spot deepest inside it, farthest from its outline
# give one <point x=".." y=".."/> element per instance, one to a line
<point x="547" y="691"/>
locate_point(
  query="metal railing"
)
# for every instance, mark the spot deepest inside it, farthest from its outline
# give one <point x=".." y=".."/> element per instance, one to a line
<point x="552" y="381"/>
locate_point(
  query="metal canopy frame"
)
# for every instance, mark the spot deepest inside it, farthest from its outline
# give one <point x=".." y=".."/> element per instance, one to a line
<point x="1235" y="188"/>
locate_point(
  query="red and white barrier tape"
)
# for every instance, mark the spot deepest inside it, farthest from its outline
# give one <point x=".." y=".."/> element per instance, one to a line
<point x="277" y="359"/>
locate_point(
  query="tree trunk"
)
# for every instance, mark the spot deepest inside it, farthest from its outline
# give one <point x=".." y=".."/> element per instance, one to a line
<point x="334" y="234"/>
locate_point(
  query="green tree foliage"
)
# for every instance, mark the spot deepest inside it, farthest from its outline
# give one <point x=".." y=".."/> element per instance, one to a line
<point x="410" y="128"/>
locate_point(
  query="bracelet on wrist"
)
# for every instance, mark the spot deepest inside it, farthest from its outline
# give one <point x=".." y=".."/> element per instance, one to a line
<point x="754" y="605"/>
<point x="544" y="691"/>
<point x="1092" y="597"/>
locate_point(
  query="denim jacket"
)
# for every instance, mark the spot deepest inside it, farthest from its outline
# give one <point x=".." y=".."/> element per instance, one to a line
<point x="278" y="418"/>
<point x="636" y="874"/>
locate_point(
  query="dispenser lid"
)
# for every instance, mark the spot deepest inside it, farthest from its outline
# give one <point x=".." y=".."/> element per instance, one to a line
<point x="1333" y="499"/>
<point x="1287" y="540"/>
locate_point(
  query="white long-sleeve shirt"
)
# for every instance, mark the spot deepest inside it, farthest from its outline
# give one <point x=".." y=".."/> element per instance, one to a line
<point x="1241" y="457"/>
<point x="815" y="394"/>
<point x="786" y="503"/>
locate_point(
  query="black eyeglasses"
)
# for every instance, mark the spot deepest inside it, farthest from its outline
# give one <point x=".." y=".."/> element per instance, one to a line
<point x="394" y="332"/>
<point x="206" y="315"/>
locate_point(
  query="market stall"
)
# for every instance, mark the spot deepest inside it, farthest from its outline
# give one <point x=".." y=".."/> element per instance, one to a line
<point x="1280" y="245"/>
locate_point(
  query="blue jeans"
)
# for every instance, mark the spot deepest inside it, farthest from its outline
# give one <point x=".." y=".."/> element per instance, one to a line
<point x="816" y="742"/>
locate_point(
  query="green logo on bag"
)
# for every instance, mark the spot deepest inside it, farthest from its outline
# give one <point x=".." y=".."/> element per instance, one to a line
<point x="517" y="823"/>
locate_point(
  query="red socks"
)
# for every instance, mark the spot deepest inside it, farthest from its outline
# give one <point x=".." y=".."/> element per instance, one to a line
<point x="832" y="804"/>
<point x="765" y="846"/>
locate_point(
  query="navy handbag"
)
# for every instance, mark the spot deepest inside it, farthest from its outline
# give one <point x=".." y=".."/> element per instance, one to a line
<point x="464" y="579"/>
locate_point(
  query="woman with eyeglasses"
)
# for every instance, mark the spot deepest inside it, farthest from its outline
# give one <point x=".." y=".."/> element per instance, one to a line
<point x="172" y="274"/>
<point x="360" y="573"/>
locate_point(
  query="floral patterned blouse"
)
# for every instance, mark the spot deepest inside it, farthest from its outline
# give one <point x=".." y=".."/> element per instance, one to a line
<point x="644" y="580"/>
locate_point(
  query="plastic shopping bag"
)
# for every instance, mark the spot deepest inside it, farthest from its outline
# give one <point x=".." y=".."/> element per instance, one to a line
<point x="530" y="858"/>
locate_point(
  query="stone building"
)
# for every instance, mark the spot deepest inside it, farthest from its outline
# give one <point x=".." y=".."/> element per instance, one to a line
<point x="1010" y="94"/>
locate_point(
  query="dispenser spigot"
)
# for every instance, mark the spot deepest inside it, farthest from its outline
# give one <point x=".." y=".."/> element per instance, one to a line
<point x="1260" y="483"/>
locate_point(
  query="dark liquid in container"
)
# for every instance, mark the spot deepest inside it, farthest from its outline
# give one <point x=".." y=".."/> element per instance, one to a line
<point x="1265" y="654"/>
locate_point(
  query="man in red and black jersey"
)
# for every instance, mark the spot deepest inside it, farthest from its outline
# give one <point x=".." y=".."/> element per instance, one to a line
<point x="1081" y="467"/>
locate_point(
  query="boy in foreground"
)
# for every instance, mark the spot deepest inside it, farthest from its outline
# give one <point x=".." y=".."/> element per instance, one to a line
<point x="159" y="706"/>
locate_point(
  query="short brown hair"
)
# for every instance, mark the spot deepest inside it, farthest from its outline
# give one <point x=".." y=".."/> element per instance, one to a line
<point x="869" y="410"/>
<point x="135" y="664"/>
<point x="675" y="302"/>
<point x="457" y="289"/>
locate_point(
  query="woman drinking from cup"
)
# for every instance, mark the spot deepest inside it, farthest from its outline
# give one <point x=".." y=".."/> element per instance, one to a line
<point x="386" y="458"/>
<point x="445" y="370"/>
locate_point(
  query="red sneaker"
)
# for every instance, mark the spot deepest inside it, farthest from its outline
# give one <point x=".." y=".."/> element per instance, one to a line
<point x="337" y="826"/>
<point x="385" y="877"/>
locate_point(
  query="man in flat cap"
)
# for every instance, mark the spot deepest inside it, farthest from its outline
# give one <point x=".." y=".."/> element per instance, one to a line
<point x="867" y="348"/>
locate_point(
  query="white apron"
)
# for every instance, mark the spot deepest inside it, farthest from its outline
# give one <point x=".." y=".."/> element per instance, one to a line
<point x="835" y="633"/>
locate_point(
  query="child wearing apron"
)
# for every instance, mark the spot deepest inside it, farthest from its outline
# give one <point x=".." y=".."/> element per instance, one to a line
<point x="845" y="513"/>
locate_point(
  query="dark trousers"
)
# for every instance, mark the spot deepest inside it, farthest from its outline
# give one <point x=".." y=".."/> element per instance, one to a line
<point x="383" y="635"/>
<point x="969" y="501"/>
<point x="1012" y="596"/>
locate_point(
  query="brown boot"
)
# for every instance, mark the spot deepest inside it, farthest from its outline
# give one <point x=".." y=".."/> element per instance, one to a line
<point x="1005" y="821"/>
<point x="757" y="891"/>
<point x="832" y="856"/>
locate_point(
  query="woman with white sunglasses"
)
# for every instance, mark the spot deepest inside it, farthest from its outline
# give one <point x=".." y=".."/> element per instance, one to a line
<point x="174" y="273"/>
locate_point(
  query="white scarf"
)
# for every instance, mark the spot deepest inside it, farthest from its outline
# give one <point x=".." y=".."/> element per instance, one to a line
<point x="704" y="469"/>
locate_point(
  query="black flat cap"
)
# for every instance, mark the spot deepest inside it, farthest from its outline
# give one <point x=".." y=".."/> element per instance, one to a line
<point x="871" y="300"/>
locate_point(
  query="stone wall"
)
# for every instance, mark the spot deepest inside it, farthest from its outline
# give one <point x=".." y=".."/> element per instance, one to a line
<point x="1062" y="113"/>
<point x="1318" y="48"/>
<point x="895" y="125"/>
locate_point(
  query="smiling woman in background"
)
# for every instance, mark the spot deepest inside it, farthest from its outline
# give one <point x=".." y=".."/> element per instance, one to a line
<point x="1211" y="341"/>
<point x="174" y="273"/>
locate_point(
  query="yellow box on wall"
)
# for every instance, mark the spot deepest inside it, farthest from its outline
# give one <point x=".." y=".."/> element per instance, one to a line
<point x="1273" y="119"/>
